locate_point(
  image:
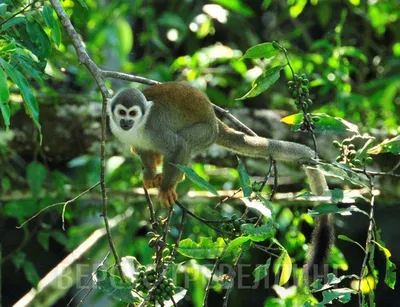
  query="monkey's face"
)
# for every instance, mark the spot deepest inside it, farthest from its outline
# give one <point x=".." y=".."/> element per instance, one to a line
<point x="127" y="117"/>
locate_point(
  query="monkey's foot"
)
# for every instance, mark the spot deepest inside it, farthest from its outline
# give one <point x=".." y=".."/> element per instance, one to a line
<point x="153" y="183"/>
<point x="168" y="197"/>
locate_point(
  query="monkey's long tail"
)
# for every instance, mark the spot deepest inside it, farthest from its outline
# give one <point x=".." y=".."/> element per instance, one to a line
<point x="259" y="147"/>
<point x="323" y="235"/>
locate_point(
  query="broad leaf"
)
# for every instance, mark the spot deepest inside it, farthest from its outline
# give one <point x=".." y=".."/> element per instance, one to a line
<point x="191" y="174"/>
<point x="236" y="6"/>
<point x="286" y="269"/>
<point x="113" y="286"/>
<point x="36" y="174"/>
<point x="4" y="97"/>
<point x="390" y="276"/>
<point x="259" y="206"/>
<point x="388" y="145"/>
<point x="322" y="122"/>
<point x="265" y="50"/>
<point x="263" y="82"/>
<point x="259" y="233"/>
<point x="343" y="172"/>
<point x="30" y="103"/>
<point x="12" y="22"/>
<point x="205" y="249"/>
<point x="52" y="23"/>
<point x="40" y="39"/>
<point x="261" y="271"/>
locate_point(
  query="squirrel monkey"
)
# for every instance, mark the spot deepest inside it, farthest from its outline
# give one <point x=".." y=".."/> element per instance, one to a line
<point x="175" y="120"/>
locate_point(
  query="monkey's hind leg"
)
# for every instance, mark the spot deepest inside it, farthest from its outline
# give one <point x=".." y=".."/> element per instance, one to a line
<point x="150" y="161"/>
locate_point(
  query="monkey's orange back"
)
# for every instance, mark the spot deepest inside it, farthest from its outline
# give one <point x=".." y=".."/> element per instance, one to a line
<point x="185" y="100"/>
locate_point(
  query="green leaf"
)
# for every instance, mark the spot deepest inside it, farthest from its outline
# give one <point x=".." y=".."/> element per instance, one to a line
<point x="30" y="273"/>
<point x="261" y="271"/>
<point x="244" y="179"/>
<point x="36" y="174"/>
<point x="30" y="103"/>
<point x="113" y="286"/>
<point x="43" y="239"/>
<point x="322" y="122"/>
<point x="191" y="174"/>
<point x="259" y="233"/>
<point x="40" y="39"/>
<point x="346" y="238"/>
<point x="390" y="276"/>
<point x="298" y="7"/>
<point x="337" y="195"/>
<point x="331" y="208"/>
<point x="353" y="52"/>
<point x="389" y="145"/>
<point x="83" y="4"/>
<point x="236" y="6"/>
<point x="265" y="50"/>
<point x="52" y="23"/>
<point x="12" y="22"/>
<point x="343" y="172"/>
<point x="235" y="245"/>
<point x="4" y="97"/>
<point x="205" y="249"/>
<point x="263" y="82"/>
<point x="342" y="294"/>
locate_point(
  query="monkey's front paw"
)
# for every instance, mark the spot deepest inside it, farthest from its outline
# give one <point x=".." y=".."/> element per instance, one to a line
<point x="153" y="183"/>
<point x="168" y="197"/>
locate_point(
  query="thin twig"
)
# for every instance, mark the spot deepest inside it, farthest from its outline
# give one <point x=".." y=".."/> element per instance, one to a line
<point x="369" y="236"/>
<point x="127" y="77"/>
<point x="208" y="287"/>
<point x="96" y="72"/>
<point x="154" y="223"/>
<point x="59" y="204"/>
<point x="89" y="280"/>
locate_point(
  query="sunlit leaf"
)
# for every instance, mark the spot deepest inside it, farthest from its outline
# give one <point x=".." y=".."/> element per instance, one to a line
<point x="191" y="174"/>
<point x="258" y="205"/>
<point x="259" y="233"/>
<point x="205" y="249"/>
<point x="236" y="6"/>
<point x="390" y="276"/>
<point x="389" y="145"/>
<point x="322" y="122"/>
<point x="265" y="50"/>
<point x="263" y="82"/>
<point x="286" y="269"/>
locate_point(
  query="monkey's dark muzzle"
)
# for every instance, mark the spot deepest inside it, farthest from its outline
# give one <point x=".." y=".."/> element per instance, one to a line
<point x="126" y="124"/>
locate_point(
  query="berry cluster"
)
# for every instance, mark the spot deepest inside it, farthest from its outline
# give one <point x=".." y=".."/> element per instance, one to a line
<point x="348" y="154"/>
<point x="233" y="225"/>
<point x="299" y="91"/>
<point x="145" y="281"/>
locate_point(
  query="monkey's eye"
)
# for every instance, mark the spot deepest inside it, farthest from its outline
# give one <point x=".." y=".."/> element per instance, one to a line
<point x="133" y="113"/>
<point x="122" y="112"/>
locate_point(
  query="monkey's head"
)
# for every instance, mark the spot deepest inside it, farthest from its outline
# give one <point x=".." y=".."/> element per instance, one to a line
<point x="126" y="108"/>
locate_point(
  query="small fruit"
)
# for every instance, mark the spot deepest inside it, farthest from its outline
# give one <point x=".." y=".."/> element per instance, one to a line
<point x="336" y="144"/>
